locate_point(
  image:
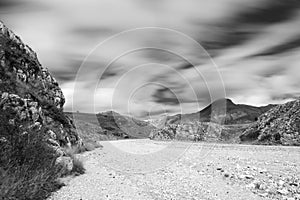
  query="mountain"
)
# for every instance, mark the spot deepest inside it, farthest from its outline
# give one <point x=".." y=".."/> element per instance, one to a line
<point x="124" y="126"/>
<point x="111" y="125"/>
<point x="88" y="128"/>
<point x="280" y="125"/>
<point x="29" y="93"/>
<point x="222" y="111"/>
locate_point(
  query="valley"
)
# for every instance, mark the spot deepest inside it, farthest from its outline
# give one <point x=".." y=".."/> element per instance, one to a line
<point x="203" y="171"/>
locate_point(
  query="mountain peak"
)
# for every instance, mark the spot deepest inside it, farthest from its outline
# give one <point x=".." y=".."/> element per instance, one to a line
<point x="222" y="101"/>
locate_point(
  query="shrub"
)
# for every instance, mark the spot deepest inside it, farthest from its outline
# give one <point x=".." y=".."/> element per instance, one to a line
<point x="27" y="163"/>
<point x="78" y="167"/>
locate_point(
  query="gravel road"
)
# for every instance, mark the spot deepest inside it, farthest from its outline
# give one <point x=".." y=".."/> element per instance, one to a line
<point x="146" y="170"/>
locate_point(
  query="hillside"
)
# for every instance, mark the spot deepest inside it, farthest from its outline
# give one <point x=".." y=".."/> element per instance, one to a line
<point x="88" y="128"/>
<point x="280" y="125"/>
<point x="200" y="131"/>
<point x="110" y="125"/>
<point x="235" y="113"/>
<point x="34" y="131"/>
<point x="124" y="126"/>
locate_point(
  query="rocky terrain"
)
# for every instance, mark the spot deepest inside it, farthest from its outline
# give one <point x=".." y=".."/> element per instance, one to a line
<point x="200" y="131"/>
<point x="280" y="125"/>
<point x="31" y="102"/>
<point x="30" y="92"/>
<point x="36" y="137"/>
<point x="202" y="171"/>
<point x="222" y="111"/>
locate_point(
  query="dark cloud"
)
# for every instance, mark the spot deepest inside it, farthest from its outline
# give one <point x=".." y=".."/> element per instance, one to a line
<point x="69" y="73"/>
<point x="165" y="96"/>
<point x="270" y="12"/>
<point x="108" y="74"/>
<point x="170" y="80"/>
<point x="225" y="37"/>
<point x="247" y="23"/>
<point x="186" y="66"/>
<point x="11" y="6"/>
<point x="7" y="4"/>
<point x="281" y="48"/>
<point x="272" y="71"/>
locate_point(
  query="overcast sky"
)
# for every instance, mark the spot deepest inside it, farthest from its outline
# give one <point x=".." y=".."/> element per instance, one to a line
<point x="253" y="43"/>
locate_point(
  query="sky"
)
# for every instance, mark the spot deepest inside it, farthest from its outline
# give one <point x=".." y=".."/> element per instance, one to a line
<point x="150" y="58"/>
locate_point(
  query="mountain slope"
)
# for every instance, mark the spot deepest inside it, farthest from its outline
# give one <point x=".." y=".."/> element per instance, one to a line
<point x="280" y="125"/>
<point x="215" y="112"/>
<point x="124" y="126"/>
<point x="88" y="128"/>
<point x="110" y="125"/>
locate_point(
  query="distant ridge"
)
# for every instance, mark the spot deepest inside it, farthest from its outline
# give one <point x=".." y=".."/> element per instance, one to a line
<point x="215" y="112"/>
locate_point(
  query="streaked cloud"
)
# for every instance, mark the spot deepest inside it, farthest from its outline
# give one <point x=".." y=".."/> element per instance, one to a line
<point x="255" y="44"/>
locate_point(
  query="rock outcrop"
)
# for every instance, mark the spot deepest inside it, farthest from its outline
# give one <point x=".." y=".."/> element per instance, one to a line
<point x="199" y="131"/>
<point x="28" y="90"/>
<point x="280" y="125"/>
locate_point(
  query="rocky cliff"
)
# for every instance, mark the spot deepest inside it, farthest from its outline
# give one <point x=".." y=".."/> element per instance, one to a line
<point x="28" y="90"/>
<point x="280" y="125"/>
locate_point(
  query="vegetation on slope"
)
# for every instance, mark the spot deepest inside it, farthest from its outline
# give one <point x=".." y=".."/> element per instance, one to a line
<point x="27" y="163"/>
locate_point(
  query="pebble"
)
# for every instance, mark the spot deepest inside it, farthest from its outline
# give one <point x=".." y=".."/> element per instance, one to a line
<point x="249" y="177"/>
<point x="290" y="198"/>
<point x="263" y="194"/>
<point x="283" y="191"/>
<point x="281" y="183"/>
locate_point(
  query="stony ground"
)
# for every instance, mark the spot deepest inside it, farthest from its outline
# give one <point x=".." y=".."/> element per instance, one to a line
<point x="144" y="169"/>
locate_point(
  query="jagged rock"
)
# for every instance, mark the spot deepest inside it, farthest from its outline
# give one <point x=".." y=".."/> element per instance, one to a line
<point x="28" y="90"/>
<point x="280" y="125"/>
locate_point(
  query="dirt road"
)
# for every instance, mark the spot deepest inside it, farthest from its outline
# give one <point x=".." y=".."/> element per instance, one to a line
<point x="144" y="169"/>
